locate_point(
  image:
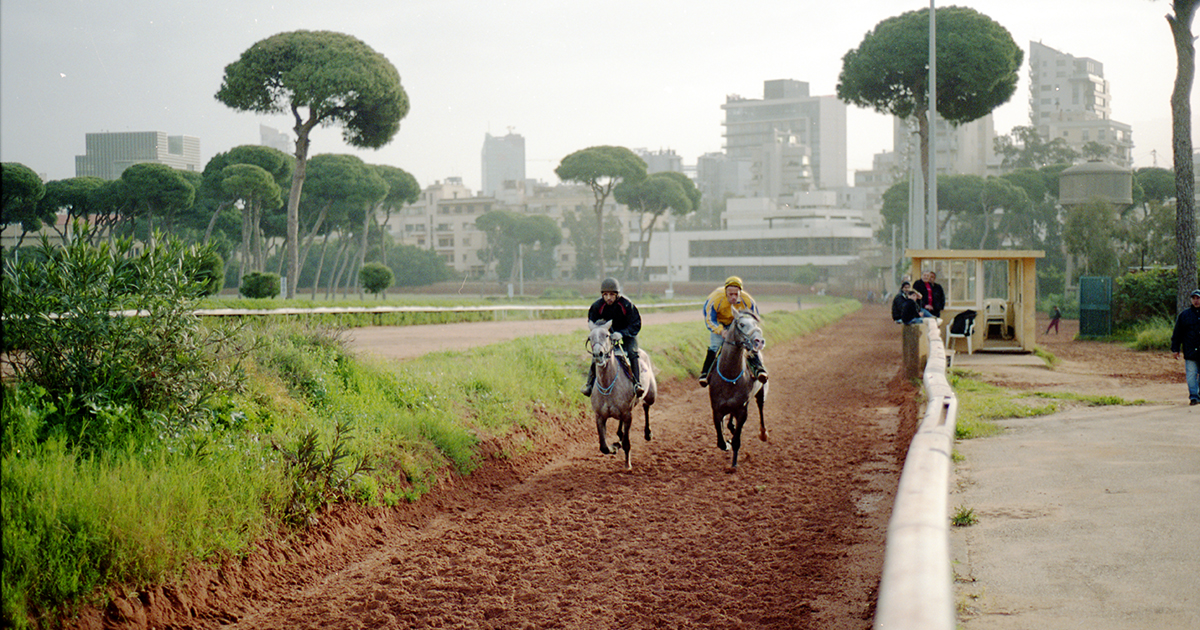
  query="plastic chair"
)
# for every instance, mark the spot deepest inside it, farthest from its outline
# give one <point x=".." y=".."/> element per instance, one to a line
<point x="962" y="327"/>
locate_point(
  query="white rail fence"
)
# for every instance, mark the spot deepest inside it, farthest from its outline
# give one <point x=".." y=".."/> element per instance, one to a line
<point x="916" y="591"/>
<point x="499" y="312"/>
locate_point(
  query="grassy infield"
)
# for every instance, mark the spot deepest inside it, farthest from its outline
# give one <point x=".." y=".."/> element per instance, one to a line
<point x="312" y="425"/>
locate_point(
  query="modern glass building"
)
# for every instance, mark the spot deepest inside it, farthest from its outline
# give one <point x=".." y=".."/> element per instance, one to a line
<point x="107" y="155"/>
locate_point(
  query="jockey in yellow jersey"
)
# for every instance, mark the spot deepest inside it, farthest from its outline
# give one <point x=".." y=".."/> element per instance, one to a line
<point x="718" y="315"/>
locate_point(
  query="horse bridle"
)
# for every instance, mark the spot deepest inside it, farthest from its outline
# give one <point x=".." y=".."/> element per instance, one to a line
<point x="609" y="348"/>
<point x="742" y="338"/>
<point x="740" y="343"/>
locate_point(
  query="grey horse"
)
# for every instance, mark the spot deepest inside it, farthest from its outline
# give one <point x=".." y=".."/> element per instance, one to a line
<point x="614" y="396"/>
<point x="731" y="385"/>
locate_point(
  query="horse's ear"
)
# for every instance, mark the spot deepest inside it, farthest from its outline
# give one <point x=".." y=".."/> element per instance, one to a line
<point x="607" y="325"/>
<point x="736" y="313"/>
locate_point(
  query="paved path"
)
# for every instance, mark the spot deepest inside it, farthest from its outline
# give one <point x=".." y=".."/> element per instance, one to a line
<point x="1088" y="519"/>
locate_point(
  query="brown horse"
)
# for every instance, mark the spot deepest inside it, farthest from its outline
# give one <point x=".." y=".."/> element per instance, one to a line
<point x="731" y="385"/>
<point x="614" y="395"/>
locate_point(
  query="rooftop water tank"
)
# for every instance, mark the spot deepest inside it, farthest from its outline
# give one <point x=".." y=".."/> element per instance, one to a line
<point x="1092" y="180"/>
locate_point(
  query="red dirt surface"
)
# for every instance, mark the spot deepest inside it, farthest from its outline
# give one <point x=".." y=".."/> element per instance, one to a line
<point x="564" y="538"/>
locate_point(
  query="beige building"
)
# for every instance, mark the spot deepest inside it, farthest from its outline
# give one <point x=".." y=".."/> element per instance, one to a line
<point x="1069" y="98"/>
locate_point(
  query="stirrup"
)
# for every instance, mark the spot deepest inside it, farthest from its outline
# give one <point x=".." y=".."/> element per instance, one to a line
<point x="586" y="390"/>
<point x="762" y="377"/>
<point x="703" y="380"/>
<point x="639" y="390"/>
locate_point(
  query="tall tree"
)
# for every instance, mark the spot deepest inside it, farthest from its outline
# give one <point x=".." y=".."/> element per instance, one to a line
<point x="403" y="189"/>
<point x="340" y="187"/>
<point x="275" y="162"/>
<point x="254" y="188"/>
<point x="601" y="168"/>
<point x="977" y="69"/>
<point x="653" y="196"/>
<point x="1181" y="144"/>
<point x="508" y="232"/>
<point x="74" y="196"/>
<point x="1088" y="232"/>
<point x="1024" y="147"/>
<point x="21" y="190"/>
<point x="321" y="78"/>
<point x="157" y="190"/>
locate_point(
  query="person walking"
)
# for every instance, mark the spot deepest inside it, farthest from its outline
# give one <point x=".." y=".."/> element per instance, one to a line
<point x="718" y="315"/>
<point x="1055" y="317"/>
<point x="1185" y="339"/>
<point x="626" y="324"/>
<point x="933" y="297"/>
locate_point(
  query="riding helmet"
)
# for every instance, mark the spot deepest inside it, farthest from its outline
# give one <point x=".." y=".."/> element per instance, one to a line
<point x="733" y="281"/>
<point x="610" y="284"/>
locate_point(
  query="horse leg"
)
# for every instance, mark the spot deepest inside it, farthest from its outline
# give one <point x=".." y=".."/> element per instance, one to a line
<point x="762" y="423"/>
<point x="626" y="424"/>
<point x="602" y="429"/>
<point x="717" y="417"/>
<point x="737" y="436"/>
<point x="646" y="408"/>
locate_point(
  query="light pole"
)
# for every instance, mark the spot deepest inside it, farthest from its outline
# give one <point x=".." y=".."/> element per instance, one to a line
<point x="931" y="235"/>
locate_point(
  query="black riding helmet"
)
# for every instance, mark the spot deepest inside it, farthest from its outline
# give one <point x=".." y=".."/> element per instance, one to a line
<point x="610" y="284"/>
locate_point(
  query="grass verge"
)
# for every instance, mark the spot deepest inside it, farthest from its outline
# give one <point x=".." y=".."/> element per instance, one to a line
<point x="313" y="425"/>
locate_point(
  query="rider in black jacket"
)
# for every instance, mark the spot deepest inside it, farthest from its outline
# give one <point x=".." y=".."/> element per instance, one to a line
<point x="626" y="324"/>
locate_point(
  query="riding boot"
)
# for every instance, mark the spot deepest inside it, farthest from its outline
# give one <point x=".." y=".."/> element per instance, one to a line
<point x="757" y="368"/>
<point x="635" y="369"/>
<point x="591" y="380"/>
<point x="708" y="363"/>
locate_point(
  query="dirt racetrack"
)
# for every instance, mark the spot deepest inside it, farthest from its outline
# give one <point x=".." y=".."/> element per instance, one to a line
<point x="567" y="539"/>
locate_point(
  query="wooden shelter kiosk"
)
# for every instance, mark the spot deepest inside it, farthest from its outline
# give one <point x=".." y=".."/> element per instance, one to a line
<point x="999" y="285"/>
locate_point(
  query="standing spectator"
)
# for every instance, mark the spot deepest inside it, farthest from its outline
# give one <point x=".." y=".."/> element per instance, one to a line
<point x="933" y="298"/>
<point x="1186" y="339"/>
<point x="1055" y="316"/>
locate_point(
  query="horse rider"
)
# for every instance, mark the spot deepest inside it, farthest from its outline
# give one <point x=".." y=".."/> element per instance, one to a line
<point x="718" y="315"/>
<point x="626" y="324"/>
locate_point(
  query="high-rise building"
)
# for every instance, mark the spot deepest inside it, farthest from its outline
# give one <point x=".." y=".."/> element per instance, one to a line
<point x="1069" y="98"/>
<point x="276" y="139"/>
<point x="503" y="161"/>
<point x="107" y="155"/>
<point x="754" y="127"/>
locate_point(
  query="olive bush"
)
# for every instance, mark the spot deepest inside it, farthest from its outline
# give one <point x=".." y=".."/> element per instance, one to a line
<point x="109" y="334"/>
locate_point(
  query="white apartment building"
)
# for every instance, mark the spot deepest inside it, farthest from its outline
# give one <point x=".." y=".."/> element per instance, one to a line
<point x="787" y="110"/>
<point x="1069" y="98"/>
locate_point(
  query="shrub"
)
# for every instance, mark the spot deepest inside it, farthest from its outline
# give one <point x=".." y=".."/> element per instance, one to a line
<point x="258" y="285"/>
<point x="376" y="277"/>
<point x="1142" y="295"/>
<point x="111" y="338"/>
<point x="211" y="273"/>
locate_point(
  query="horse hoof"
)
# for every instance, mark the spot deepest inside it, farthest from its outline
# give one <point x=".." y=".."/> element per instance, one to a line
<point x="730" y="469"/>
<point x="723" y="446"/>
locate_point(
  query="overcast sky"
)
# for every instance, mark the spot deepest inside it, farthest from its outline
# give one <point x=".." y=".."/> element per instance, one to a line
<point x="564" y="74"/>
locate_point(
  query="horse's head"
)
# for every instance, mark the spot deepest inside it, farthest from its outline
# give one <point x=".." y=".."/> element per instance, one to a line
<point x="599" y="341"/>
<point x="746" y="331"/>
